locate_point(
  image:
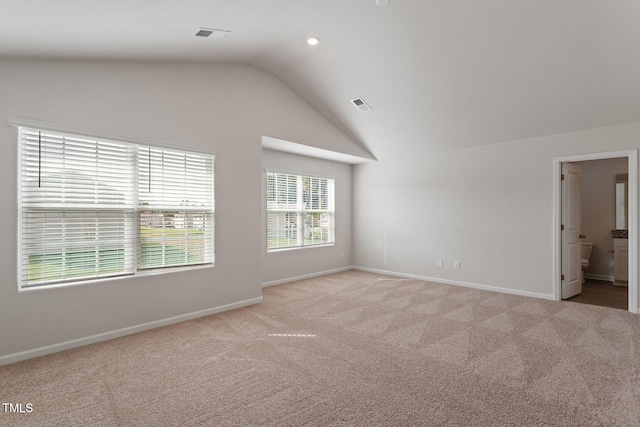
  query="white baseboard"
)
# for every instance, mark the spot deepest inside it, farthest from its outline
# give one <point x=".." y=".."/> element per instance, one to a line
<point x="67" y="345"/>
<point x="306" y="276"/>
<point x="599" y="277"/>
<point x="459" y="283"/>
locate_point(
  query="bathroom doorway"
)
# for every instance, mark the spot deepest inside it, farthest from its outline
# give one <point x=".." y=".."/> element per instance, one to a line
<point x="603" y="232"/>
<point x="598" y="224"/>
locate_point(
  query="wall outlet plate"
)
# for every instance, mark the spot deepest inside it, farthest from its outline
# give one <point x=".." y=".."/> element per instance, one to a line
<point x="439" y="262"/>
<point x="456" y="264"/>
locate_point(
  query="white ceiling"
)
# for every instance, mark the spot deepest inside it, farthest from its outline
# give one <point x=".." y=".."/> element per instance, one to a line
<point x="439" y="74"/>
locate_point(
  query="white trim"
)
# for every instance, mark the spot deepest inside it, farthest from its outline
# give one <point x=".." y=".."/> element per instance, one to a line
<point x="268" y="170"/>
<point x="278" y="144"/>
<point x="294" y="248"/>
<point x="53" y="127"/>
<point x="138" y="273"/>
<point x="634" y="304"/>
<point x="632" y="156"/>
<point x="67" y="345"/>
<point x="599" y="277"/>
<point x="307" y="276"/>
<point x="459" y="283"/>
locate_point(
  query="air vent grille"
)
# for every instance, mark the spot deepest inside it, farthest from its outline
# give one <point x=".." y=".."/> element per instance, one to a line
<point x="212" y="33"/>
<point x="361" y="105"/>
<point x="204" y="33"/>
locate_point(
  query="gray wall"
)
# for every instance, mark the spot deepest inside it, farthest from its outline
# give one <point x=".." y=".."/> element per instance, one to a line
<point x="226" y="109"/>
<point x="490" y="207"/>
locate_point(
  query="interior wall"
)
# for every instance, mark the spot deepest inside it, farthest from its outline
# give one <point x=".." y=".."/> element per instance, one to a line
<point x="285" y="265"/>
<point x="489" y="207"/>
<point x="225" y="109"/>
<point x="598" y="212"/>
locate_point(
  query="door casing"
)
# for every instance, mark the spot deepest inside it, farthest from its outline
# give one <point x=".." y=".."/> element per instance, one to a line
<point x="632" y="156"/>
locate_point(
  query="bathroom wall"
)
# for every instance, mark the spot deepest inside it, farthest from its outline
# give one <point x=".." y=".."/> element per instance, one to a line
<point x="598" y="212"/>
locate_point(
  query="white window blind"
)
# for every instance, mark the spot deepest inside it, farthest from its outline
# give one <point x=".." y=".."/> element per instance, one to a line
<point x="300" y="210"/>
<point x="84" y="214"/>
<point x="175" y="207"/>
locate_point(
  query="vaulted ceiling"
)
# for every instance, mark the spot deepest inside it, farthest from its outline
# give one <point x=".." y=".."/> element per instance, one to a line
<point x="439" y="74"/>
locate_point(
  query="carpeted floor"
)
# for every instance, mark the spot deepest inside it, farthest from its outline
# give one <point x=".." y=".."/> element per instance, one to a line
<point x="352" y="348"/>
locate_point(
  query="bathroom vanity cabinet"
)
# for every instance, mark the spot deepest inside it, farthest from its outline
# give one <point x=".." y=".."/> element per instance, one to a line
<point x="620" y="262"/>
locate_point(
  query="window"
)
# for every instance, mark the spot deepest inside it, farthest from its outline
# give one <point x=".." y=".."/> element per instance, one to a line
<point x="92" y="208"/>
<point x="300" y="211"/>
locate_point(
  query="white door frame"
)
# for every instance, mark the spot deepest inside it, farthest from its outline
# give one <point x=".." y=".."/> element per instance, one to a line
<point x="632" y="156"/>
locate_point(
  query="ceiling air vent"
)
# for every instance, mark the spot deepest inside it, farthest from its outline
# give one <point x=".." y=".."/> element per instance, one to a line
<point x="212" y="32"/>
<point x="360" y="104"/>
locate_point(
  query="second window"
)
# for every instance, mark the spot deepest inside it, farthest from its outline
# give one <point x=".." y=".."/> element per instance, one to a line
<point x="300" y="211"/>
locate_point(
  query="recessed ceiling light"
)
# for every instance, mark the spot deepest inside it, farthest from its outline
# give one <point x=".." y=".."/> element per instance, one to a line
<point x="313" y="41"/>
<point x="382" y="2"/>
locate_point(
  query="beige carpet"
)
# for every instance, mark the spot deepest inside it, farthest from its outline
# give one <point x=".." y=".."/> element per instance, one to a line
<point x="352" y="348"/>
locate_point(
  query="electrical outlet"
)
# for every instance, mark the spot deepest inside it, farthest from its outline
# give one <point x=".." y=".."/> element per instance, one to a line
<point x="439" y="262"/>
<point x="456" y="265"/>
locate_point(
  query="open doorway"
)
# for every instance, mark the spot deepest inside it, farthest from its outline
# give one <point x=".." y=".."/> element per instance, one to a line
<point x="604" y="232"/>
<point x="597" y="231"/>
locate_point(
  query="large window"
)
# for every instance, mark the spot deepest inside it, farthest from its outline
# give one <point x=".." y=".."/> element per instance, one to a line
<point x="300" y="211"/>
<point x="93" y="208"/>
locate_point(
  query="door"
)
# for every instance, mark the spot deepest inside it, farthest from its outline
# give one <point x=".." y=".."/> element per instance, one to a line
<point x="570" y="230"/>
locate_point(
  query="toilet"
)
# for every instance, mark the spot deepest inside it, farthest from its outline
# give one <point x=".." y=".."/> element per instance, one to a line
<point x="584" y="257"/>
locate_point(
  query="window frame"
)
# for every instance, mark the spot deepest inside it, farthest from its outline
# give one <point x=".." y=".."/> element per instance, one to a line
<point x="301" y="211"/>
<point x="134" y="212"/>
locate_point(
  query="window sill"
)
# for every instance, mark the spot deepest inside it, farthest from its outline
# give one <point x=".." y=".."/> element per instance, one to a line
<point x="295" y="248"/>
<point x="141" y="273"/>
